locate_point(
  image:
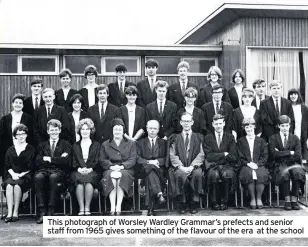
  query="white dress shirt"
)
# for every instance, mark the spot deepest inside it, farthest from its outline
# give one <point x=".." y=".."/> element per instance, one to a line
<point x="251" y="142"/>
<point x="38" y="100"/>
<point x="131" y="120"/>
<point x="297" y="109"/>
<point x="100" y="107"/>
<point x="163" y="104"/>
<point x="65" y="92"/>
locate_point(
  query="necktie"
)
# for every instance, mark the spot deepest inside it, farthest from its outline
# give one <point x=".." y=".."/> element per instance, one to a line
<point x="152" y="147"/>
<point x="102" y="112"/>
<point x="48" y="112"/>
<point x="53" y="147"/>
<point x="277" y="107"/>
<point x="285" y="141"/>
<point x="217" y="108"/>
<point x="186" y="141"/>
<point x="219" y="140"/>
<point x="36" y="102"/>
<point x="161" y="108"/>
<point x="183" y="87"/>
<point x="152" y="84"/>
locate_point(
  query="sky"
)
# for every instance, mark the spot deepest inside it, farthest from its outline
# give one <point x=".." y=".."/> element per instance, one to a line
<point x="106" y="22"/>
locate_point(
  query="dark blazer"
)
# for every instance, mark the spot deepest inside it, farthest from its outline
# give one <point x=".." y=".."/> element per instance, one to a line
<point x="103" y="129"/>
<point x="269" y="116"/>
<point x="29" y="107"/>
<point x="93" y="157"/>
<point x="84" y="93"/>
<point x="40" y="122"/>
<point x="116" y="97"/>
<point x="215" y="155"/>
<point x="166" y="121"/>
<point x="60" y="101"/>
<point x="72" y="125"/>
<point x="260" y="152"/>
<point x="254" y="102"/>
<point x="226" y="109"/>
<point x="205" y="95"/>
<point x="140" y="118"/>
<point x="233" y="98"/>
<point x="238" y="123"/>
<point x="175" y="94"/>
<point x="57" y="161"/>
<point x="199" y="125"/>
<point x="304" y="131"/>
<point x="146" y="96"/>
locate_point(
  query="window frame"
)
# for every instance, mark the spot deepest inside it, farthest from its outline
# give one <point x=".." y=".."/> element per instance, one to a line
<point x="103" y="64"/>
<point x="80" y="74"/>
<point x="183" y="59"/>
<point x="19" y="65"/>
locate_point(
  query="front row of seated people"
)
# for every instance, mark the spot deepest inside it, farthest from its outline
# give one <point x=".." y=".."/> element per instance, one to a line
<point x="197" y="163"/>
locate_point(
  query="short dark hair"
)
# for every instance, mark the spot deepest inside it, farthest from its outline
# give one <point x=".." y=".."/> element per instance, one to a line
<point x="121" y="67"/>
<point x="90" y="69"/>
<point x="55" y="123"/>
<point x="65" y="72"/>
<point x="151" y="63"/>
<point x="18" y="96"/>
<point x="191" y="91"/>
<point x="218" y="116"/>
<point x="292" y="91"/>
<point x="257" y="82"/>
<point x="37" y="80"/>
<point x="284" y="119"/>
<point x="241" y="75"/>
<point x="74" y="98"/>
<point x="20" y="127"/>
<point x="216" y="87"/>
<point x="101" y="87"/>
<point x="161" y="83"/>
<point x="131" y="90"/>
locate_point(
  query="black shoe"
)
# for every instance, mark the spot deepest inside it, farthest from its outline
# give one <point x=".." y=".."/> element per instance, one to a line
<point x="193" y="211"/>
<point x="287" y="206"/>
<point x="118" y="213"/>
<point x="182" y="211"/>
<point x="295" y="206"/>
<point x="161" y="199"/>
<point x="259" y="206"/>
<point x="40" y="219"/>
<point x="223" y="206"/>
<point x="215" y="206"/>
<point x="14" y="218"/>
<point x="51" y="211"/>
<point x="151" y="212"/>
<point x="8" y="219"/>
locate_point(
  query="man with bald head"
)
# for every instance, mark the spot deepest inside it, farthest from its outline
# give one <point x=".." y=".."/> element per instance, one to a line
<point x="151" y="157"/>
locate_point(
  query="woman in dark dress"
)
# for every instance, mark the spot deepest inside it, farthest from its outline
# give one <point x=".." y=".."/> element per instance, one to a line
<point x="17" y="178"/>
<point x="245" y="111"/>
<point x="76" y="103"/>
<point x="235" y="92"/>
<point x="132" y="115"/>
<point x="253" y="154"/>
<point x="117" y="158"/>
<point x="9" y="122"/>
<point x="199" y="126"/>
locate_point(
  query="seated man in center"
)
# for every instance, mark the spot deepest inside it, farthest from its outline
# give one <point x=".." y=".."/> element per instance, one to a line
<point x="187" y="160"/>
<point x="53" y="161"/>
<point x="221" y="156"/>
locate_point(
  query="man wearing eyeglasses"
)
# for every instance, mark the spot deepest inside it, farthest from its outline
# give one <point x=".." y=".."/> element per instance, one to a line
<point x="187" y="160"/>
<point x="217" y="106"/>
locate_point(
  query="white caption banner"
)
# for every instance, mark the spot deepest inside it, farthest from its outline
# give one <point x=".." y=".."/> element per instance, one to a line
<point x="176" y="226"/>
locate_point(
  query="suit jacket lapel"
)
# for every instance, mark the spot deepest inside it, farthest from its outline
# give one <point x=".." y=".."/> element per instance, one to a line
<point x="256" y="148"/>
<point x="192" y="146"/>
<point x="125" y="118"/>
<point x="79" y="155"/>
<point x="148" y="144"/>
<point x="96" y="111"/>
<point x="165" y="109"/>
<point x="182" y="150"/>
<point x="61" y="94"/>
<point x="10" y="119"/>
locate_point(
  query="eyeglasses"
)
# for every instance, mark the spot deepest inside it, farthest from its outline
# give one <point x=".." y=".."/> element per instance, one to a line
<point x="131" y="94"/>
<point x="213" y="75"/>
<point x="186" y="121"/>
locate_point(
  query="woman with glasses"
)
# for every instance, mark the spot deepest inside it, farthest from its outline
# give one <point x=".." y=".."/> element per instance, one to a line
<point x="246" y="111"/>
<point x="88" y="92"/>
<point x="17" y="177"/>
<point x="214" y="76"/>
<point x="199" y="126"/>
<point x="9" y="122"/>
<point x="85" y="176"/>
<point x="235" y="92"/>
<point x="133" y="116"/>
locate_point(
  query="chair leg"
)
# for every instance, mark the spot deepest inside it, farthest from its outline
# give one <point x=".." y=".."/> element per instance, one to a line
<point x="277" y="193"/>
<point x="99" y="203"/>
<point x="105" y="204"/>
<point x="172" y="208"/>
<point x="242" y="196"/>
<point x="200" y="200"/>
<point x="235" y="195"/>
<point x="168" y="199"/>
<point x="207" y="200"/>
<point x="64" y="205"/>
<point x="134" y="202"/>
<point x="270" y="194"/>
<point x="35" y="207"/>
<point x="30" y="197"/>
<point x="2" y="191"/>
<point x="71" y="205"/>
<point x="138" y="191"/>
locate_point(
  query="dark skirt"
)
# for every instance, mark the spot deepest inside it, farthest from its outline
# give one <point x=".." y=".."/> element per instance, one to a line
<point x="245" y="175"/>
<point x="24" y="183"/>
<point x="179" y="182"/>
<point x="220" y="173"/>
<point x="78" y="178"/>
<point x="126" y="182"/>
<point x="282" y="173"/>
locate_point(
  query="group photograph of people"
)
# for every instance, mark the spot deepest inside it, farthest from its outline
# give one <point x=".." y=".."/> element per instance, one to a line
<point x="186" y="144"/>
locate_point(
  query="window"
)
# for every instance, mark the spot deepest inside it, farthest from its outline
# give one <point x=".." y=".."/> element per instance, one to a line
<point x="77" y="64"/>
<point x="132" y="64"/>
<point x="43" y="65"/>
<point x="8" y="64"/>
<point x="198" y="66"/>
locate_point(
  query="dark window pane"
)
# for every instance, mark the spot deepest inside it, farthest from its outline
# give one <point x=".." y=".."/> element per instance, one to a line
<point x="131" y="64"/>
<point x="167" y="65"/>
<point x="8" y="63"/>
<point x="199" y="65"/>
<point x="77" y="64"/>
<point x="38" y="64"/>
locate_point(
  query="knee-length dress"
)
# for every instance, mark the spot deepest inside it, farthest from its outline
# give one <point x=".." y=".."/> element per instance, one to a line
<point x="19" y="163"/>
<point x="125" y="154"/>
<point x="92" y="162"/>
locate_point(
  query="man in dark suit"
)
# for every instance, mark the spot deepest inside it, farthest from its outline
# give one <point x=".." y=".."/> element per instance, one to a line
<point x="151" y="156"/>
<point x="35" y="100"/>
<point x="102" y="114"/>
<point x="146" y="87"/>
<point x="285" y="151"/>
<point x="187" y="160"/>
<point x="64" y="94"/>
<point x="273" y="107"/>
<point x="162" y="110"/>
<point x="176" y="91"/>
<point x="259" y="86"/>
<point x="217" y="106"/>
<point x="117" y="89"/>
<point x="46" y="112"/>
<point x="53" y="162"/>
<point x="220" y="152"/>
